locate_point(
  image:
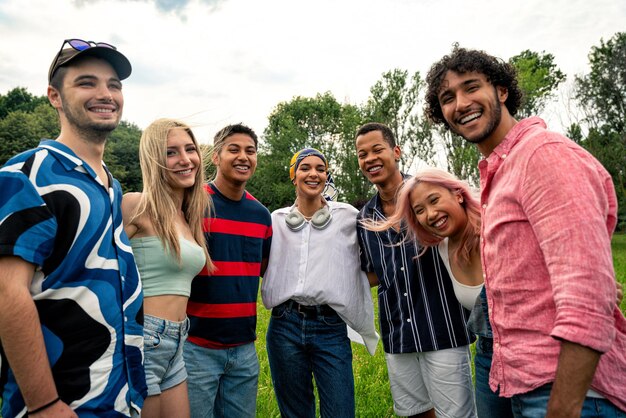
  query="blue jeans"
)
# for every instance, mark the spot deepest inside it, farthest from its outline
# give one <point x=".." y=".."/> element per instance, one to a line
<point x="301" y="346"/>
<point x="534" y="404"/>
<point x="163" y="353"/>
<point x="222" y="383"/>
<point x="488" y="403"/>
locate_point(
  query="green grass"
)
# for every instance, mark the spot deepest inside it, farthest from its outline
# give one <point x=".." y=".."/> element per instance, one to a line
<point x="373" y="398"/>
<point x="619" y="261"/>
<point x="371" y="385"/>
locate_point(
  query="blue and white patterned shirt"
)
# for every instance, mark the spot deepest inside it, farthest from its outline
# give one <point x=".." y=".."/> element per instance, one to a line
<point x="418" y="311"/>
<point x="56" y="214"/>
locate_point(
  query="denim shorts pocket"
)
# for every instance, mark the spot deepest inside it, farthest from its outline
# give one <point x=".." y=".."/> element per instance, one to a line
<point x="151" y="339"/>
<point x="332" y="320"/>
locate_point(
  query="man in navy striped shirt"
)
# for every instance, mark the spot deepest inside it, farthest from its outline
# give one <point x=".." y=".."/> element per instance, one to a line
<point x="422" y="324"/>
<point x="219" y="354"/>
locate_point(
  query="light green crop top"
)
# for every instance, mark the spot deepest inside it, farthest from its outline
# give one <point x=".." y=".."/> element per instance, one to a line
<point x="159" y="270"/>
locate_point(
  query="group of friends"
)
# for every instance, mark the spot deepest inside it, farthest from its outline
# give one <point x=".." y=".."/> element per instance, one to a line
<point x="116" y="306"/>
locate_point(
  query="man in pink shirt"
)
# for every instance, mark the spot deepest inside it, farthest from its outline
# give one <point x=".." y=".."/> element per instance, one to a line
<point x="548" y="212"/>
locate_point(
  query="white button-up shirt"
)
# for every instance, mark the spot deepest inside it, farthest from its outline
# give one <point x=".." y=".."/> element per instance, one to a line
<point x="321" y="267"/>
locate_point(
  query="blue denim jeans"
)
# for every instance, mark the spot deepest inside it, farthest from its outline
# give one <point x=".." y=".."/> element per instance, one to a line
<point x="488" y="403"/>
<point x="163" y="353"/>
<point x="534" y="404"/>
<point x="222" y="383"/>
<point x="301" y="347"/>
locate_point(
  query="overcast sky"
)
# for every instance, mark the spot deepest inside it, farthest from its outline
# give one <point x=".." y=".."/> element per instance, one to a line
<point x="214" y="62"/>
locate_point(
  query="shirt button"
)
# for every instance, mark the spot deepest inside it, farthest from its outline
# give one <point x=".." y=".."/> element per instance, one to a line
<point x="408" y="320"/>
<point x="484" y="206"/>
<point x="503" y="155"/>
<point x="406" y="294"/>
<point x="401" y="268"/>
<point x="497" y="345"/>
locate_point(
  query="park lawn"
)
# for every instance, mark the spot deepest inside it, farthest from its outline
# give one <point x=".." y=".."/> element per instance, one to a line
<point x="373" y="398"/>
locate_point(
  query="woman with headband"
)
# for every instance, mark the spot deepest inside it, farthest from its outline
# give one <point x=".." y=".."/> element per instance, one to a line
<point x="164" y="224"/>
<point x="314" y="286"/>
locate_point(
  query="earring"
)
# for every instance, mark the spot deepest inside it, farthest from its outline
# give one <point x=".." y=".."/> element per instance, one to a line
<point x="460" y="200"/>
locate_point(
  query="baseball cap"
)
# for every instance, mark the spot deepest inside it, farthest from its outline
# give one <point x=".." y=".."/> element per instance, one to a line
<point x="80" y="48"/>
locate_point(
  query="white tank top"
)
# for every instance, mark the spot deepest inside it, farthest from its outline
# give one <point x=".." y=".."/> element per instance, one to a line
<point x="465" y="294"/>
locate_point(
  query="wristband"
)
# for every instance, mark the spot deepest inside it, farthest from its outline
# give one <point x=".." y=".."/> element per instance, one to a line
<point x="41" y="408"/>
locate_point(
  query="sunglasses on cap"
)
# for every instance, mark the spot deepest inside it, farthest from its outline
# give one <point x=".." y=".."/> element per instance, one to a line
<point x="100" y="49"/>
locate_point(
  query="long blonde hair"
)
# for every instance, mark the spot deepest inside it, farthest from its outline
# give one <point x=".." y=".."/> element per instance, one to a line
<point x="404" y="217"/>
<point x="156" y="200"/>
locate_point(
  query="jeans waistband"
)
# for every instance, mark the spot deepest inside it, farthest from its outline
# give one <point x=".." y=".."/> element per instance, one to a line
<point x="165" y="327"/>
<point x="309" y="311"/>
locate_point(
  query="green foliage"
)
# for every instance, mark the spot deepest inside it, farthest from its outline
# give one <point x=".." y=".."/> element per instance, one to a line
<point x="538" y="78"/>
<point x="19" y="99"/>
<point x="20" y="130"/>
<point x="462" y="157"/>
<point x="602" y="92"/>
<point x="319" y="122"/>
<point x="121" y="156"/>
<point x="395" y="100"/>
<point x="26" y="119"/>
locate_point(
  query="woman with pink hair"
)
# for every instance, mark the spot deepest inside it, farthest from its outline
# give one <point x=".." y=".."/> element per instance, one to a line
<point x="439" y="210"/>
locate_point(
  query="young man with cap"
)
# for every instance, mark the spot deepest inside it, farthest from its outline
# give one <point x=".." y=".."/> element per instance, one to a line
<point x="423" y="325"/>
<point x="219" y="353"/>
<point x="70" y="296"/>
<point x="548" y="212"/>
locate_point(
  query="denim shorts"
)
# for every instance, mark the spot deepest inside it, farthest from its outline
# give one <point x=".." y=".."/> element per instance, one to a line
<point x="163" y="351"/>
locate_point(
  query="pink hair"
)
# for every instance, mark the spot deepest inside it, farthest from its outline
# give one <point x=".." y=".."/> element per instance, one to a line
<point x="404" y="217"/>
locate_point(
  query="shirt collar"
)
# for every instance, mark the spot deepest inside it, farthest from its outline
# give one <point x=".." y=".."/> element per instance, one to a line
<point x="514" y="136"/>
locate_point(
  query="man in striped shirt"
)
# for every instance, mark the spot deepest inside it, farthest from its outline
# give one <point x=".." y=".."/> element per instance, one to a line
<point x="422" y="324"/>
<point x="219" y="354"/>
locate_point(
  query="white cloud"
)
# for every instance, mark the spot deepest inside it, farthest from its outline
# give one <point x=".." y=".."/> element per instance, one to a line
<point x="213" y="62"/>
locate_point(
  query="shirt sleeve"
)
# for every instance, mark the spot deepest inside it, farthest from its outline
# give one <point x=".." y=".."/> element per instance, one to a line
<point x="569" y="205"/>
<point x="364" y="254"/>
<point x="27" y="226"/>
<point x="267" y="241"/>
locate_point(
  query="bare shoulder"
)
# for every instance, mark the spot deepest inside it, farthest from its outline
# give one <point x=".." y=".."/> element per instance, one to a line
<point x="130" y="202"/>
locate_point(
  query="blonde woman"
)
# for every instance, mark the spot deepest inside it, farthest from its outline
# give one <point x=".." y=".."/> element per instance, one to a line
<point x="164" y="224"/>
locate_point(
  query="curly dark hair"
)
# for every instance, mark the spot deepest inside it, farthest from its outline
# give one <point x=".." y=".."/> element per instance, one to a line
<point x="461" y="60"/>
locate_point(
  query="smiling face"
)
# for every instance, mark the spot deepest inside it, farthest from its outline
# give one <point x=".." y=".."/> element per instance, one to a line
<point x="310" y="178"/>
<point x="472" y="107"/>
<point x="91" y="99"/>
<point x="438" y="210"/>
<point x="183" y="160"/>
<point x="377" y="159"/>
<point x="236" y="160"/>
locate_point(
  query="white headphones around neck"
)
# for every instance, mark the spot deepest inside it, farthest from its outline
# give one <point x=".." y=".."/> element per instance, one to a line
<point x="320" y="219"/>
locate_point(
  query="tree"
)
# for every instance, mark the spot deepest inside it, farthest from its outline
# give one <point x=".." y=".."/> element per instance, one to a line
<point x="602" y="94"/>
<point x="19" y="99"/>
<point x="121" y="155"/>
<point x="538" y="77"/>
<point x="319" y="122"/>
<point x="395" y="100"/>
<point x="21" y="130"/>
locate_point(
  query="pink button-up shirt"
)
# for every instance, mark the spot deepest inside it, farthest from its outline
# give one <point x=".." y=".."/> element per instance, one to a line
<point x="548" y="213"/>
